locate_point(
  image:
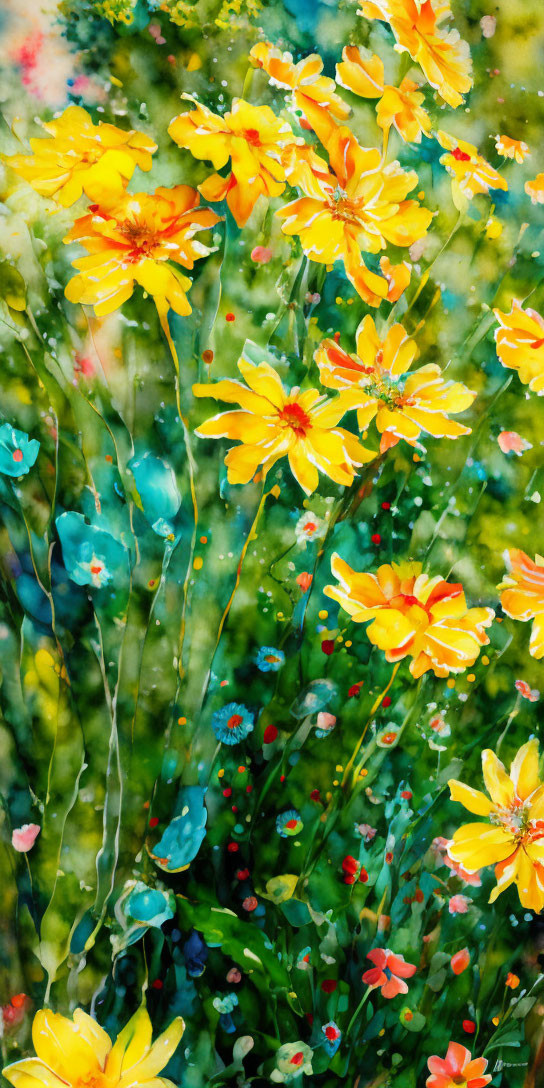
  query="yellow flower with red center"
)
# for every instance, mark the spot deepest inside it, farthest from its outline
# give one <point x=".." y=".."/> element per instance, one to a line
<point x="272" y="423"/>
<point x="372" y="381"/>
<point x="442" y="55"/>
<point x="133" y="242"/>
<point x="79" y="157"/>
<point x="397" y="106"/>
<point x="252" y="137"/>
<point x="471" y="173"/>
<point x="522" y="595"/>
<point x="512" y="149"/>
<point x="359" y="205"/>
<point x="305" y="78"/>
<point x="413" y="615"/>
<point x="79" y="1053"/>
<point x="520" y="344"/>
<point x="535" y="189"/>
<point x="513" y="840"/>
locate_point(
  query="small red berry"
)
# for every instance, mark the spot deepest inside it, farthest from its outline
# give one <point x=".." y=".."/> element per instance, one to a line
<point x="270" y="734"/>
<point x="469" y="1026"/>
<point x="153" y="821"/>
<point x="230" y="317"/>
<point x="328" y="646"/>
<point x="233" y="847"/>
<point x="376" y="538"/>
<point x="386" y="701"/>
<point x="386" y="505"/>
<point x="329" y="985"/>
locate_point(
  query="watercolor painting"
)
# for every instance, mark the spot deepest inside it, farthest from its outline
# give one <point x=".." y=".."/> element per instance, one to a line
<point x="271" y="543"/>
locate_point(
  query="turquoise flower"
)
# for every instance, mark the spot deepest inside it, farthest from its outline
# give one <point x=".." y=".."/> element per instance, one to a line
<point x="158" y="490"/>
<point x="232" y="723"/>
<point x="268" y="659"/>
<point x="185" y="833"/>
<point x="333" y="1037"/>
<point x="149" y="906"/>
<point x="18" y="452"/>
<point x="92" y="556"/>
<point x="289" y="823"/>
<point x="226" y="1003"/>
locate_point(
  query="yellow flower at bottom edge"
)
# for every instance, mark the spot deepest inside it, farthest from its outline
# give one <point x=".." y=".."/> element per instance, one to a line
<point x="79" y="1053"/>
<point x="133" y="242"/>
<point x="513" y="840"/>
<point x="79" y="157"/>
<point x="272" y="423"/>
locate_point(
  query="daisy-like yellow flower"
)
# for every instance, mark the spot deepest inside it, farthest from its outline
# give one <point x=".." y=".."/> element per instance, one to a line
<point x="399" y="107"/>
<point x="272" y="423"/>
<point x="79" y="157"/>
<point x="413" y="615"/>
<point x="522" y="595"/>
<point x="520" y="344"/>
<point x="373" y="381"/>
<point x="304" y="79"/>
<point x="442" y="55"/>
<point x="80" y="1054"/>
<point x="133" y="242"/>
<point x="513" y="840"/>
<point x="535" y="189"/>
<point x="360" y="205"/>
<point x="252" y="137"/>
<point x="471" y="173"/>
<point x="512" y="149"/>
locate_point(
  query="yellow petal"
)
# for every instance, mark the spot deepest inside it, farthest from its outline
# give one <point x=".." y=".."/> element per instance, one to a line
<point x="32" y="1073"/>
<point x="62" y="1046"/>
<point x="156" y="1058"/>
<point x="497" y="783"/>
<point x="473" y="800"/>
<point x="478" y="845"/>
<point x="131" y="1045"/>
<point x="524" y="769"/>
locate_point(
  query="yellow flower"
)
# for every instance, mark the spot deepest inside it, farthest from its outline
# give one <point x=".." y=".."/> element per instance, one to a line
<point x="133" y="242"/>
<point x="413" y="615"/>
<point x="359" y="205"/>
<point x="79" y="157"/>
<point x="535" y="189"/>
<point x="79" y="1053"/>
<point x="252" y="137"/>
<point x="512" y="149"/>
<point x="397" y="106"/>
<point x="471" y="173"/>
<point x="513" y="840"/>
<point x="272" y="423"/>
<point x="443" y="56"/>
<point x="520" y="344"/>
<point x="398" y="277"/>
<point x="305" y="78"/>
<point x="523" y="595"/>
<point x="372" y="382"/>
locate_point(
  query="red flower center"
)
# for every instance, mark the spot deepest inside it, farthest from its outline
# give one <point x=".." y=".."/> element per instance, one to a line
<point x="253" y="136"/>
<point x="17" y="455"/>
<point x="296" y="418"/>
<point x="297" y="1058"/>
<point x="234" y="721"/>
<point x="461" y="156"/>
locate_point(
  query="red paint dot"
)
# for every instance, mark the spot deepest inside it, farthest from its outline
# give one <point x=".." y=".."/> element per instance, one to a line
<point x="157" y="984"/>
<point x="386" y="701"/>
<point x="354" y="690"/>
<point x="234" y="808"/>
<point x="227" y="792"/>
<point x="153" y="821"/>
<point x="407" y="794"/>
<point x="419" y="897"/>
<point x="386" y="505"/>
<point x="282" y="778"/>
<point x="249" y="789"/>
<point x="230" y="317"/>
<point x="469" y="1026"/>
<point x="389" y="857"/>
<point x="376" y="538"/>
<point x="17" y="455"/>
<point x="315" y="795"/>
<point x="18" y="1000"/>
<point x="233" y="848"/>
<point x="242" y="874"/>
<point x="327" y="646"/>
<point x="363" y="875"/>
<point x="329" y="985"/>
<point x="270" y="734"/>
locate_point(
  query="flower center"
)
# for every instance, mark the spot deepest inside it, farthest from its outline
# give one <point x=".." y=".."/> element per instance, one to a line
<point x="297" y="1058"/>
<point x="90" y="1080"/>
<point x="234" y="721"/>
<point x="17" y="455"/>
<point x="460" y="156"/>
<point x="253" y="136"/>
<point x="341" y="207"/>
<point x="296" y="418"/>
<point x="140" y="237"/>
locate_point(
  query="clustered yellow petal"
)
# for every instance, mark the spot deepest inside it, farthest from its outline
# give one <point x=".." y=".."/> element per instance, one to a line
<point x="512" y="149"/>
<point x="520" y="344"/>
<point x="522" y="595"/>
<point x="513" y="840"/>
<point x="471" y="173"/>
<point x="400" y="107"/>
<point x="79" y="1053"/>
<point x="304" y="79"/>
<point x="413" y="615"/>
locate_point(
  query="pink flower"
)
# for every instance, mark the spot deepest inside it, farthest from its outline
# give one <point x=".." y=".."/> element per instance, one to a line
<point x="459" y="904"/>
<point x="325" y="721"/>
<point x="234" y="975"/>
<point x="532" y="694"/>
<point x="304" y="580"/>
<point x="365" y="831"/>
<point x="457" y="1067"/>
<point x="389" y="972"/>
<point x="512" y="442"/>
<point x="23" y="838"/>
<point x="261" y="254"/>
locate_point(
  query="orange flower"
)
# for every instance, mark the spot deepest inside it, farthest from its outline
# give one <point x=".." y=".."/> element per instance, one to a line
<point x="272" y="423"/>
<point x="443" y="56"/>
<point x="471" y="173"/>
<point x="520" y="344"/>
<point x="512" y="149"/>
<point x="134" y="242"/>
<point x="535" y="189"/>
<point x="79" y="157"/>
<point x="523" y="595"/>
<point x="413" y="615"/>
<point x="305" y="78"/>
<point x="398" y="277"/>
<point x="372" y="381"/>
<point x="252" y="137"/>
<point x="457" y="1068"/>
<point x="360" y="205"/>
<point x="397" y="106"/>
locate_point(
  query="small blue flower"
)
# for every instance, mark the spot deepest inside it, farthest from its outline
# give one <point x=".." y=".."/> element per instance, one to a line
<point x="18" y="452"/>
<point x="333" y="1037"/>
<point x="226" y="1003"/>
<point x="289" y="823"/>
<point x="149" y="906"/>
<point x="92" y="556"/>
<point x="232" y="723"/>
<point x="195" y="954"/>
<point x="268" y="659"/>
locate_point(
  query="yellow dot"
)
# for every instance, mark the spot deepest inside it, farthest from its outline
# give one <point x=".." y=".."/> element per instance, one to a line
<point x="495" y="1020"/>
<point x="450" y="683"/>
<point x="421" y="195"/>
<point x="336" y="782"/>
<point x="323" y="614"/>
<point x="339" y="767"/>
<point x="351" y="301"/>
<point x="363" y="773"/>
<point x="416" y="457"/>
<point x="198" y="562"/>
<point x="485" y="660"/>
<point x="279" y="615"/>
<point x="339" y="638"/>
<point x="328" y="795"/>
<point x="382" y="1032"/>
<point x="471" y="677"/>
<point x="203" y="539"/>
<point x="220" y="773"/>
<point x="348" y="643"/>
<point x="182" y="721"/>
<point x="338" y="300"/>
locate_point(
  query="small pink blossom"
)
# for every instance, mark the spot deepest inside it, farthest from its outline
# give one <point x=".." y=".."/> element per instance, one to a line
<point x="234" y="975"/>
<point x="325" y="721"/>
<point x="459" y="904"/>
<point x="532" y="694"/>
<point x="23" y="838"/>
<point x="365" y="831"/>
<point x="512" y="442"/>
<point x="261" y="254"/>
<point x="389" y="972"/>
